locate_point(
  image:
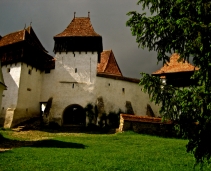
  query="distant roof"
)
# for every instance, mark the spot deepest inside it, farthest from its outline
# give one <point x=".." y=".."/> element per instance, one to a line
<point x="79" y="26"/>
<point x="174" y="66"/>
<point x="128" y="117"/>
<point x="108" y="64"/>
<point x="12" y="38"/>
<point x="19" y="36"/>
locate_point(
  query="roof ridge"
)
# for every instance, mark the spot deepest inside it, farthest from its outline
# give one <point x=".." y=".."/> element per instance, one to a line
<point x="107" y="59"/>
<point x="117" y="64"/>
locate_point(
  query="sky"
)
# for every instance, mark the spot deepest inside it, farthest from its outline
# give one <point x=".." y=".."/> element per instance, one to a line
<point x="108" y="18"/>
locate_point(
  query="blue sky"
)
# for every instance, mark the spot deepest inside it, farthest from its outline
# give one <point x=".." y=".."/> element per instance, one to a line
<point x="108" y="17"/>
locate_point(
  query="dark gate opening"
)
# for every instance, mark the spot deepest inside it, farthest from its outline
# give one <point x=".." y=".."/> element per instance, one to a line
<point x="74" y="115"/>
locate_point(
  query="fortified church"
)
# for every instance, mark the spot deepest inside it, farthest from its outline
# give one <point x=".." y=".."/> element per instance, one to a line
<point x="80" y="73"/>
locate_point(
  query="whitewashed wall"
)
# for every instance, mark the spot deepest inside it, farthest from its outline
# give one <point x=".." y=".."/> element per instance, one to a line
<point x="10" y="96"/>
<point x="67" y="86"/>
<point x="114" y="98"/>
<point x="83" y="87"/>
<point x="29" y="94"/>
<point x="21" y="99"/>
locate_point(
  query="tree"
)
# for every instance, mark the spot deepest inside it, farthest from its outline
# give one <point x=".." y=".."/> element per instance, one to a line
<point x="182" y="26"/>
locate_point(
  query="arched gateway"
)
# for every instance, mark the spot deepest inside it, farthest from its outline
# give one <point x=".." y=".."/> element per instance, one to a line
<point x="74" y="115"/>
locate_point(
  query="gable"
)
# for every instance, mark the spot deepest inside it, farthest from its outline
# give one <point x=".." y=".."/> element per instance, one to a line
<point x="108" y="64"/>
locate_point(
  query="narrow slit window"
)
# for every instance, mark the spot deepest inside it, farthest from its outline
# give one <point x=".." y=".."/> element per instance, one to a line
<point x="123" y="90"/>
<point x="8" y="70"/>
<point x="29" y="72"/>
<point x="73" y="85"/>
<point x="76" y="70"/>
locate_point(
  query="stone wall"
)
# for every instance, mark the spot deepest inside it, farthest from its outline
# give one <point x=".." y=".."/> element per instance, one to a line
<point x="146" y="125"/>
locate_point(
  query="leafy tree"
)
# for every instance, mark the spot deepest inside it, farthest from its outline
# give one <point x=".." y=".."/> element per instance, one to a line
<point x="182" y="26"/>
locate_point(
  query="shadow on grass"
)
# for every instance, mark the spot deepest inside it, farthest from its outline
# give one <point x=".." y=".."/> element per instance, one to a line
<point x="6" y="144"/>
<point x="36" y="124"/>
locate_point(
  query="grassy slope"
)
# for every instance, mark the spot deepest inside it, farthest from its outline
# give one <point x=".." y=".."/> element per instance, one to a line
<point x="126" y="151"/>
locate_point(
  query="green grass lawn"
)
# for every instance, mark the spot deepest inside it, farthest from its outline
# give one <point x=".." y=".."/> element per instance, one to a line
<point x="36" y="150"/>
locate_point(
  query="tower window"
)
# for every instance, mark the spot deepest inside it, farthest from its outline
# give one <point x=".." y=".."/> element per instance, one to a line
<point x="8" y="70"/>
<point x="75" y="70"/>
<point x="29" y="72"/>
<point x="123" y="90"/>
<point x="73" y="85"/>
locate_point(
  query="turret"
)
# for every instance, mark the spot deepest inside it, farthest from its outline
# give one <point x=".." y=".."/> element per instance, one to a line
<point x="79" y="36"/>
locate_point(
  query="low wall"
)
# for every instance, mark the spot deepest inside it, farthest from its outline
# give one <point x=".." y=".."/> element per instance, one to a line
<point x="146" y="125"/>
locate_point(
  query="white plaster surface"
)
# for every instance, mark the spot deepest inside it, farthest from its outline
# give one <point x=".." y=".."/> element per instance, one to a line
<point x="10" y="96"/>
<point x="67" y="87"/>
<point x="21" y="99"/>
<point x="114" y="98"/>
<point x="29" y="93"/>
<point x="25" y="91"/>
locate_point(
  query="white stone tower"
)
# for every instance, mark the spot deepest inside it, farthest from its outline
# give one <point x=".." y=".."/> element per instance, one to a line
<point x="77" y="52"/>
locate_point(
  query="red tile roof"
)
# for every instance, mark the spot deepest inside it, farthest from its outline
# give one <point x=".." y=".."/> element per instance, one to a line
<point x="12" y="38"/>
<point x="148" y="119"/>
<point x="108" y="64"/>
<point x="174" y="66"/>
<point x="19" y="36"/>
<point x="118" y="77"/>
<point x="80" y="26"/>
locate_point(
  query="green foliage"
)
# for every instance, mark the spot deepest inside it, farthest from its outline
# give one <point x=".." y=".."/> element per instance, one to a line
<point x="184" y="27"/>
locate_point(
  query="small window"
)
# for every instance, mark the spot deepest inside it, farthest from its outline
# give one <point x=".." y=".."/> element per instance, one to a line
<point x="73" y="85"/>
<point x="29" y="72"/>
<point x="109" y="84"/>
<point x="75" y="70"/>
<point x="123" y="90"/>
<point x="8" y="70"/>
<point x="28" y="89"/>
